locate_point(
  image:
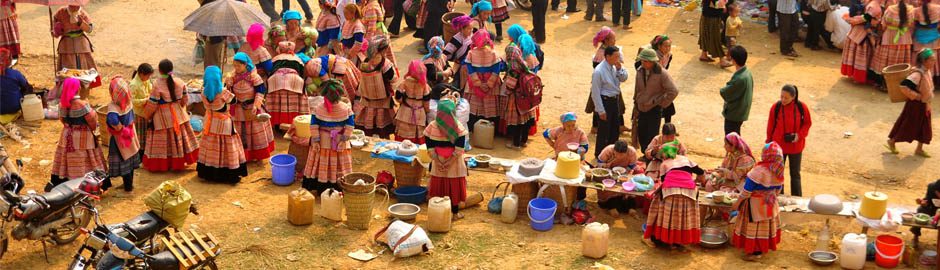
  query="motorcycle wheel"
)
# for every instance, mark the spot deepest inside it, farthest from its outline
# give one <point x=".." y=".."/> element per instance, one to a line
<point x="524" y="4"/>
<point x="65" y="236"/>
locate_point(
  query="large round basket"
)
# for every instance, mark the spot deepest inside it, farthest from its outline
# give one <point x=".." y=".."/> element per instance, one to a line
<point x="347" y="181"/>
<point x="359" y="208"/>
<point x="449" y="31"/>
<point x="893" y="75"/>
<point x="408" y="174"/>
<point x="526" y="192"/>
<point x="103" y="133"/>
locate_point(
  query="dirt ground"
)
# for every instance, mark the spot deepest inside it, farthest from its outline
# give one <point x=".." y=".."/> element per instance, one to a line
<point x="255" y="235"/>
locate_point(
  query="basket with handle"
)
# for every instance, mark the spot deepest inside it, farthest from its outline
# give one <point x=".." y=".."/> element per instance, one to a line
<point x="359" y="207"/>
<point x="526" y="192"/>
<point x="893" y="75"/>
<point x="495" y="205"/>
<point x="347" y="182"/>
<point x="408" y="174"/>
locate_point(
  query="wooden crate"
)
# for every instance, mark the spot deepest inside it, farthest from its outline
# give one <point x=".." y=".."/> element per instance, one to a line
<point x="190" y="248"/>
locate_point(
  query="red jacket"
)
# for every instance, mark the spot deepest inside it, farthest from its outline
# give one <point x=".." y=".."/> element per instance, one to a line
<point x="787" y="120"/>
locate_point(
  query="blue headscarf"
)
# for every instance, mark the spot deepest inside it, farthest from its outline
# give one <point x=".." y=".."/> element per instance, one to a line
<point x="291" y="15"/>
<point x="526" y="44"/>
<point x="435" y="47"/>
<point x="242" y="57"/>
<point x="515" y="31"/>
<point x="212" y="82"/>
<point x="482" y="5"/>
<point x="568" y="117"/>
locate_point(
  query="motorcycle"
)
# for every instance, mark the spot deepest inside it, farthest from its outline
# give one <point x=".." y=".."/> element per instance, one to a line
<point x="132" y="245"/>
<point x="58" y="215"/>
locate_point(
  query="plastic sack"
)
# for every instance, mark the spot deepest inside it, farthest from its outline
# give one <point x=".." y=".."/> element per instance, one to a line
<point x="837" y="26"/>
<point x="171" y="202"/>
<point x="889" y="222"/>
<point x="405" y="240"/>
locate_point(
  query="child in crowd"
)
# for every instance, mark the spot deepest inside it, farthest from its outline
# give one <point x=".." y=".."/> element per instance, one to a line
<point x="732" y="28"/>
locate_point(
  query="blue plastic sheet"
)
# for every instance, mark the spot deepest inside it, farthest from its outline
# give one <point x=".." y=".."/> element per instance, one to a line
<point x="391" y="155"/>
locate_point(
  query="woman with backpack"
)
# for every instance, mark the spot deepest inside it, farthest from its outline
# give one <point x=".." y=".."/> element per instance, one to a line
<point x="914" y="122"/>
<point x="522" y="67"/>
<point x="788" y="126"/>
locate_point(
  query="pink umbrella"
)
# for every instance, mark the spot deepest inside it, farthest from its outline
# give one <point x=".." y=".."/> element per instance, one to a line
<point x="49" y="4"/>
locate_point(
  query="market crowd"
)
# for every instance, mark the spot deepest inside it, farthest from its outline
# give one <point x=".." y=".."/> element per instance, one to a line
<point x="341" y="71"/>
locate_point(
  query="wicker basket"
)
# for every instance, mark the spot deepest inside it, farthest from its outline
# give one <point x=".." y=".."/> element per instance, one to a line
<point x="103" y="133"/>
<point x="449" y="30"/>
<point x="301" y="153"/>
<point x="346" y="182"/>
<point x="554" y="193"/>
<point x="408" y="174"/>
<point x="894" y="74"/>
<point x="359" y="207"/>
<point x="526" y="192"/>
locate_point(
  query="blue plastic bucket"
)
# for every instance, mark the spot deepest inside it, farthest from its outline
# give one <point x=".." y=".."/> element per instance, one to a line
<point x="282" y="169"/>
<point x="413" y="195"/>
<point x="542" y="214"/>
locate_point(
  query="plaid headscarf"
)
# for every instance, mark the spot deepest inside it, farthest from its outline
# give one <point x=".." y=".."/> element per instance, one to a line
<point x="332" y="91"/>
<point x="772" y="161"/>
<point x="738" y="143"/>
<point x="447" y="119"/>
<point x="120" y="93"/>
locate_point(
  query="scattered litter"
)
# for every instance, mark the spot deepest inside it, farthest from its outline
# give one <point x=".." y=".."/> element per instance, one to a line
<point x="257" y="229"/>
<point x="709" y="139"/>
<point x="601" y="266"/>
<point x="45" y="162"/>
<point x="847" y="134"/>
<point x="239" y="204"/>
<point x="564" y="16"/>
<point x="292" y="257"/>
<point x="361" y="255"/>
<point x="26" y="160"/>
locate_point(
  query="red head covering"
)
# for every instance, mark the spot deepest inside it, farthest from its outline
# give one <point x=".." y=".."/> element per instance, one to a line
<point x="120" y="94"/>
<point x="255" y="36"/>
<point x="417" y="70"/>
<point x="482" y="38"/>
<point x="738" y="143"/>
<point x="602" y="35"/>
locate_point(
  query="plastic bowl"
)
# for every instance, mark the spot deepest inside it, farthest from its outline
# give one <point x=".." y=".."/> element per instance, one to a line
<point x="414" y="194"/>
<point x="609" y="183"/>
<point x="573" y="146"/>
<point x="404" y="211"/>
<point x="629" y="186"/>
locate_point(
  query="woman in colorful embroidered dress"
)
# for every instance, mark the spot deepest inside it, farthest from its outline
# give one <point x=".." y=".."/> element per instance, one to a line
<point x="286" y="97"/>
<point x="435" y="62"/>
<point x="861" y="42"/>
<point x="332" y="66"/>
<point x="171" y="142"/>
<point x="413" y="95"/>
<point x="9" y="29"/>
<point x="757" y="229"/>
<point x="896" y="41"/>
<point x="294" y="32"/>
<point x="71" y="23"/>
<point x="737" y="163"/>
<point x="520" y="60"/>
<point x="673" y="216"/>
<point x="457" y="48"/>
<point x="604" y="38"/>
<point x="77" y="151"/>
<point x="353" y="34"/>
<point x="331" y="126"/>
<point x="483" y="67"/>
<point x="620" y="154"/>
<point x="558" y="138"/>
<point x="328" y="25"/>
<point x="141" y="86"/>
<point x="446" y="138"/>
<point x="500" y="15"/>
<point x="222" y="158"/>
<point x="249" y="115"/>
<point x="373" y="16"/>
<point x="259" y="55"/>
<point x="914" y="122"/>
<point x="482" y="12"/>
<point x="375" y="107"/>
<point x="654" y="153"/>
<point x="123" y="148"/>
<point x="926" y="34"/>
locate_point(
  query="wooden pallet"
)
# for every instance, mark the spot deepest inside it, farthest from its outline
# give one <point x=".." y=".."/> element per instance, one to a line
<point x="191" y="248"/>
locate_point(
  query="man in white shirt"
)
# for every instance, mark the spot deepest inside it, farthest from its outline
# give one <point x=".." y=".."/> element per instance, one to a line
<point x="605" y="92"/>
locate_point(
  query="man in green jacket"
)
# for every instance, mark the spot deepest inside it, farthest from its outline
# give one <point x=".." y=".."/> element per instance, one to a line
<point x="738" y="92"/>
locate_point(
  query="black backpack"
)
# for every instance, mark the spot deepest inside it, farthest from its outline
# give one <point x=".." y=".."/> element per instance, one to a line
<point x="799" y="108"/>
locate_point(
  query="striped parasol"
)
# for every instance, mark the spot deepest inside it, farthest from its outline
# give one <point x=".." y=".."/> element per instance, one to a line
<point x="225" y="18"/>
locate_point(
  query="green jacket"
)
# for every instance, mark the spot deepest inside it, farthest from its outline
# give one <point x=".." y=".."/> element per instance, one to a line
<point x="737" y="95"/>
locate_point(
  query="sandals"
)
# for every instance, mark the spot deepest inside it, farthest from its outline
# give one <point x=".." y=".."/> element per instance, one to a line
<point x="891" y="149"/>
<point x="751" y="258"/>
<point x="705" y="59"/>
<point x="922" y="154"/>
<point x="791" y="54"/>
<point x="724" y="64"/>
